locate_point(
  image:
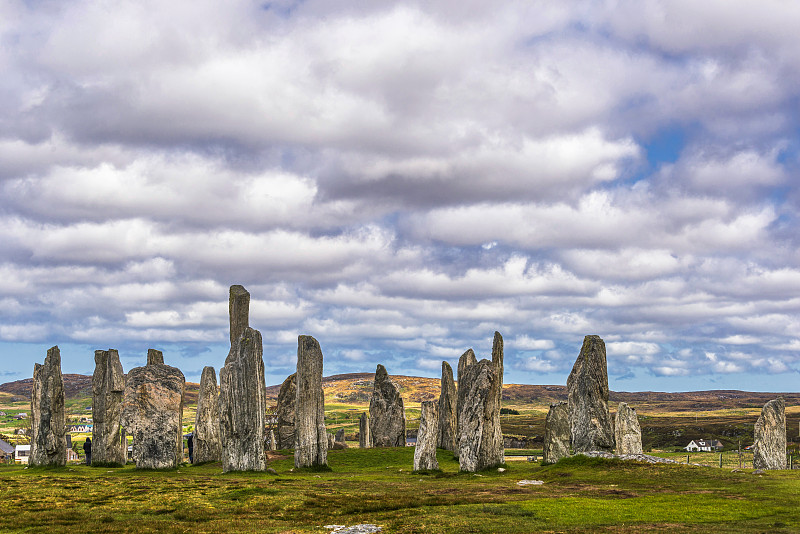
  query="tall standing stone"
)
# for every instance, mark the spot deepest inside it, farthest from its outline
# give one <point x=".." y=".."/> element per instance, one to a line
<point x="238" y="311"/>
<point x="480" y="440"/>
<point x="108" y="387"/>
<point x="627" y="432"/>
<point x="425" y="451"/>
<point x="287" y="397"/>
<point x="152" y="413"/>
<point x="243" y="404"/>
<point x="448" y="403"/>
<point x="467" y="359"/>
<point x="48" y="423"/>
<point x="497" y="359"/>
<point x="556" y="433"/>
<point x="769" y="450"/>
<point x="363" y="431"/>
<point x="587" y="390"/>
<point x="206" y="439"/>
<point x="387" y="415"/>
<point x="310" y="441"/>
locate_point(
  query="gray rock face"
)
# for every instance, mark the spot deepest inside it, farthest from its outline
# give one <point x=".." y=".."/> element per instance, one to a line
<point x="587" y="390"/>
<point x="425" y="451"/>
<point x="238" y="312"/>
<point x="310" y="442"/>
<point x="467" y="359"/>
<point x="627" y="433"/>
<point x="108" y="387"/>
<point x="387" y="415"/>
<point x="769" y="450"/>
<point x="448" y="403"/>
<point x="363" y="431"/>
<point x="152" y="412"/>
<point x="287" y="397"/>
<point x="48" y="424"/>
<point x="556" y="433"/>
<point x="207" y="443"/>
<point x="480" y="440"/>
<point x="243" y="405"/>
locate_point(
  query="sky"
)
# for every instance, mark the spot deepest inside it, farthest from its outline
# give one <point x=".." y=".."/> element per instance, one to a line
<point x="400" y="180"/>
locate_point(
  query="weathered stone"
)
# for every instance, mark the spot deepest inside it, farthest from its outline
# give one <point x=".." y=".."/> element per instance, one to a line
<point x="769" y="450"/>
<point x="387" y="415"/>
<point x="207" y="443"/>
<point x="287" y="397"/>
<point x="467" y="359"/>
<point x="272" y="443"/>
<point x="243" y="405"/>
<point x="497" y="360"/>
<point x="448" y="403"/>
<point x="310" y="442"/>
<point x="425" y="451"/>
<point x="48" y="423"/>
<point x="155" y="357"/>
<point x="587" y="394"/>
<point x="556" y="433"/>
<point x="152" y="412"/>
<point x="331" y="441"/>
<point x="480" y="440"/>
<point x="340" y="436"/>
<point x="627" y="433"/>
<point x="108" y="387"/>
<point x="238" y="312"/>
<point x="363" y="431"/>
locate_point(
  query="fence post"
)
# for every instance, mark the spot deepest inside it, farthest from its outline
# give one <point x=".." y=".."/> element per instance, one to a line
<point x="687" y="459"/>
<point x="720" y="460"/>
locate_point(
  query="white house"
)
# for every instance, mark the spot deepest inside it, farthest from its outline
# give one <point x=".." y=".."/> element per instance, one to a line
<point x="706" y="445"/>
<point x="22" y="453"/>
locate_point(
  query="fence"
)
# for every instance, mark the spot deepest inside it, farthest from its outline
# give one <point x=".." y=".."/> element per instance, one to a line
<point x="728" y="459"/>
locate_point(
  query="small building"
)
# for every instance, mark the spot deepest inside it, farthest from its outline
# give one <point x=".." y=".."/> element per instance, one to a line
<point x="21" y="415"/>
<point x="80" y="429"/>
<point x="22" y="454"/>
<point x="703" y="445"/>
<point x="6" y="452"/>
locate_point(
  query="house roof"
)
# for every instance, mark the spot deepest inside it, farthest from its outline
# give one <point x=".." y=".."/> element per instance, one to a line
<point x="6" y="447"/>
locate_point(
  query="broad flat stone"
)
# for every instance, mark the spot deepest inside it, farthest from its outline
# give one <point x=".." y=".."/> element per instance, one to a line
<point x="108" y="388"/>
<point x="587" y="391"/>
<point x="48" y="423"/>
<point x="207" y="441"/>
<point x="425" y="450"/>
<point x="448" y="404"/>
<point x="769" y="450"/>
<point x="311" y="442"/>
<point x="480" y="440"/>
<point x="152" y="413"/>
<point x="556" y="433"/>
<point x="287" y="397"/>
<point x="627" y="432"/>
<point x="387" y="416"/>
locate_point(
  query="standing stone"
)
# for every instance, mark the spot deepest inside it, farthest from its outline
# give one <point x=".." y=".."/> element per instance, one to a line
<point x="238" y="312"/>
<point x="387" y="415"/>
<point x="425" y="451"/>
<point x="272" y="442"/>
<point x="243" y="405"/>
<point x="48" y="424"/>
<point x="340" y="436"/>
<point x="769" y="450"/>
<point x="587" y="394"/>
<point x="497" y="359"/>
<point x="152" y="413"/>
<point x="480" y="440"/>
<point x="331" y="441"/>
<point x="448" y="403"/>
<point x="556" y="433"/>
<point x="310" y="441"/>
<point x="287" y="397"/>
<point x="108" y="388"/>
<point x="207" y="444"/>
<point x="467" y="359"/>
<point x="363" y="431"/>
<point x="627" y="433"/>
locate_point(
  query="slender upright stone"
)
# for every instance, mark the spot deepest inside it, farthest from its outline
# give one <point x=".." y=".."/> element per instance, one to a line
<point x="627" y="432"/>
<point x="207" y="444"/>
<point x="331" y="441"/>
<point x="467" y="359"/>
<point x="448" y="403"/>
<point x="387" y="415"/>
<point x="769" y="450"/>
<point x="48" y="423"/>
<point x="556" y="433"/>
<point x="152" y="413"/>
<point x="425" y="451"/>
<point x="363" y="431"/>
<point x="243" y="405"/>
<point x="272" y="442"/>
<point x="310" y="441"/>
<point x="587" y="390"/>
<point x="497" y="359"/>
<point x="238" y="312"/>
<point x="480" y="440"/>
<point x="108" y="388"/>
<point x="287" y="397"/>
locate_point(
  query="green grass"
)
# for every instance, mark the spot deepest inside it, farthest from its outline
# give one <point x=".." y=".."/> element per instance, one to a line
<point x="378" y="486"/>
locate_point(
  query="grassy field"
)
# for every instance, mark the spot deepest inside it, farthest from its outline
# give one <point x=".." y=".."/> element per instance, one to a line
<point x="377" y="486"/>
